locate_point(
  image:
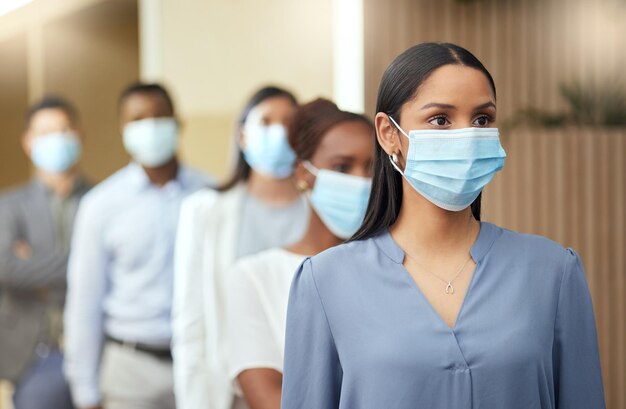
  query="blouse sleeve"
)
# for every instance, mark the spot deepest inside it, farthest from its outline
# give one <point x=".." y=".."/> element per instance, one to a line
<point x="578" y="378"/>
<point x="312" y="372"/>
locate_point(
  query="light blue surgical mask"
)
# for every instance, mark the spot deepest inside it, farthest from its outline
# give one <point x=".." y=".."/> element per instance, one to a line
<point x="56" y="152"/>
<point x="267" y="150"/>
<point x="451" y="167"/>
<point x="152" y="141"/>
<point x="340" y="200"/>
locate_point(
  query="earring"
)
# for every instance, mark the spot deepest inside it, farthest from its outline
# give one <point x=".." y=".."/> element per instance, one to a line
<point x="302" y="186"/>
<point x="394" y="158"/>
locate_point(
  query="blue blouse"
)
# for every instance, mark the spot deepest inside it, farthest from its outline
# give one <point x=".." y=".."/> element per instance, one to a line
<point x="361" y="335"/>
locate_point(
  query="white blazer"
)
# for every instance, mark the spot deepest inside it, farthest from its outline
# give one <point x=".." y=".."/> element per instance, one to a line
<point x="206" y="249"/>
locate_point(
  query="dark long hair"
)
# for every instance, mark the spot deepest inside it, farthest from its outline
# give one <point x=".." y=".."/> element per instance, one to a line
<point x="241" y="172"/>
<point x="399" y="85"/>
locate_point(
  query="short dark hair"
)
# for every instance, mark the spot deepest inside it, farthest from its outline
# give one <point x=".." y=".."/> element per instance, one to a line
<point x="145" y="88"/>
<point x="52" y="102"/>
<point x="242" y="169"/>
<point x="313" y="120"/>
<point x="399" y="85"/>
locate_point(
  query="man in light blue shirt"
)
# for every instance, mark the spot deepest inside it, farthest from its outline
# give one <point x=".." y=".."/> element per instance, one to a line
<point x="117" y="318"/>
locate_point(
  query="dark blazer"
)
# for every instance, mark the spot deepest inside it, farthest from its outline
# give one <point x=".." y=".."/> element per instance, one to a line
<point x="27" y="286"/>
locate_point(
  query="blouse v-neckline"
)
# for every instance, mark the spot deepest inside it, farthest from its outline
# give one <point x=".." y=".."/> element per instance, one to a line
<point x="482" y="244"/>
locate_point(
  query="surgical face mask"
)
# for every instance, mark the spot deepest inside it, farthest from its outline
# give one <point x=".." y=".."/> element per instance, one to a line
<point x="55" y="152"/>
<point x="151" y="142"/>
<point x="451" y="167"/>
<point x="340" y="200"/>
<point x="267" y="150"/>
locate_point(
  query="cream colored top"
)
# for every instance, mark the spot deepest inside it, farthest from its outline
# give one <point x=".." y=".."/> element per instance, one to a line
<point x="258" y="291"/>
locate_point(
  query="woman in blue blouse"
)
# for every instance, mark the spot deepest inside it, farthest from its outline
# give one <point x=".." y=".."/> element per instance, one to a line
<point x="426" y="306"/>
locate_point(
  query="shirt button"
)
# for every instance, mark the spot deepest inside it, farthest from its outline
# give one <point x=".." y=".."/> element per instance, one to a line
<point x="459" y="368"/>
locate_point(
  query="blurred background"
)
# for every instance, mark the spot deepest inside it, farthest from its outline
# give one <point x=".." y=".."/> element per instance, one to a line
<point x="559" y="66"/>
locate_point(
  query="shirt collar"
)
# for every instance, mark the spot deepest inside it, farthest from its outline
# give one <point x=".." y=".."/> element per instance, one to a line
<point x="80" y="185"/>
<point x="486" y="237"/>
<point x="137" y="176"/>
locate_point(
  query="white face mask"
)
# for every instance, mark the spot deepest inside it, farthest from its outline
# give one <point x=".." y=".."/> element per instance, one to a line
<point x="152" y="142"/>
<point x="339" y="199"/>
<point x="56" y="152"/>
<point x="451" y="167"/>
<point x="267" y="150"/>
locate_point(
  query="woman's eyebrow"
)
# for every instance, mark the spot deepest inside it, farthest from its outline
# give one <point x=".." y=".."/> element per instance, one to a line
<point x="438" y="105"/>
<point x="489" y="104"/>
<point x="342" y="157"/>
<point x="485" y="105"/>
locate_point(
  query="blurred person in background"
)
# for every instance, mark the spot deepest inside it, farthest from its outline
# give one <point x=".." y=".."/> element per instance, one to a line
<point x="258" y="208"/>
<point x="334" y="151"/>
<point x="36" y="225"/>
<point x="117" y="318"/>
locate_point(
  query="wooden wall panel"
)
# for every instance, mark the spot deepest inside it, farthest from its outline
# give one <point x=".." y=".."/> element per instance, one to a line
<point x="531" y="47"/>
<point x="569" y="185"/>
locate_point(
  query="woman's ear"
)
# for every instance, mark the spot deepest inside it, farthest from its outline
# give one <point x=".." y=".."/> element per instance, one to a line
<point x="304" y="179"/>
<point x="387" y="134"/>
<point x="241" y="138"/>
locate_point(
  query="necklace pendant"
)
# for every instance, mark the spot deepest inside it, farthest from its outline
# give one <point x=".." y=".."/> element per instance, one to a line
<point x="449" y="289"/>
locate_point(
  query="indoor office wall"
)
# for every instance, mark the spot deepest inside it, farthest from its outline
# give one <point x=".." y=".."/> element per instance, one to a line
<point x="531" y="47"/>
<point x="89" y="57"/>
<point x="215" y="54"/>
<point x="85" y="50"/>
<point x="564" y="182"/>
<point x="14" y="167"/>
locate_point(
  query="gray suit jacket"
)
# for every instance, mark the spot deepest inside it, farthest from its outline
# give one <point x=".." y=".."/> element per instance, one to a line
<point x="26" y="285"/>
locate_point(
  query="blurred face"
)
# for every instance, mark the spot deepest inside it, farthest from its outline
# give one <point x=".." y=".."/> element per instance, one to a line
<point x="346" y="148"/>
<point x="143" y="106"/>
<point x="272" y="111"/>
<point x="149" y="129"/>
<point x="452" y="97"/>
<point x="46" y="122"/>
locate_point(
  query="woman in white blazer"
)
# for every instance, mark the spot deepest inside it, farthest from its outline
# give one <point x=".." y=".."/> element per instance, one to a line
<point x="259" y="208"/>
<point x="334" y="152"/>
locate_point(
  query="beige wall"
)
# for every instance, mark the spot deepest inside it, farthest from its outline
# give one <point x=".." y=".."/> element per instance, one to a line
<point x="85" y="50"/>
<point x="216" y="53"/>
<point x="212" y="55"/>
<point x="90" y="57"/>
<point x="13" y="102"/>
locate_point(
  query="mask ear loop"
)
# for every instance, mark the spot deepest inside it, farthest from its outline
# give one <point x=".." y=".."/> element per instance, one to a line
<point x="393" y="158"/>
<point x="310" y="167"/>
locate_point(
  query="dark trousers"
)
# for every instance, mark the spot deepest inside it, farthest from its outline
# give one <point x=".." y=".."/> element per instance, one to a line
<point x="43" y="386"/>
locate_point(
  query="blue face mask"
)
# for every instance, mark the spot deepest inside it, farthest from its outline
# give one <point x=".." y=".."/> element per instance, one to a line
<point x="55" y="152"/>
<point x="340" y="200"/>
<point x="267" y="150"/>
<point x="151" y="142"/>
<point x="451" y="167"/>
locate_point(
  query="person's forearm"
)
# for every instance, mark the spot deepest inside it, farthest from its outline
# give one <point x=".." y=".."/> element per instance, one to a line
<point x="261" y="388"/>
<point x="270" y="399"/>
<point x="33" y="273"/>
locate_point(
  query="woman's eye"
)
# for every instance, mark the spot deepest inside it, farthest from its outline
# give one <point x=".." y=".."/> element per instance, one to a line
<point x="439" y="121"/>
<point x="482" y="121"/>
<point x="342" y="168"/>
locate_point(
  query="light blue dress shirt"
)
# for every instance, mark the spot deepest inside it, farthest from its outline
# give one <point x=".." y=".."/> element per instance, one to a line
<point x="361" y="335"/>
<point x="120" y="270"/>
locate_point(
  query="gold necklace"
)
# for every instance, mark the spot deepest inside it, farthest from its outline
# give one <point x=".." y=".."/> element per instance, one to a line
<point x="449" y="287"/>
